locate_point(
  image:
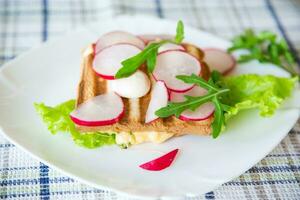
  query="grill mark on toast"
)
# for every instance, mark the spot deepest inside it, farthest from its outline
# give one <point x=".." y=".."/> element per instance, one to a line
<point x="90" y="84"/>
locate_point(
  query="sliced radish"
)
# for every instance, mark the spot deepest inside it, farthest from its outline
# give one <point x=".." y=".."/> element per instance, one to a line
<point x="159" y="99"/>
<point x="171" y="63"/>
<point x="219" y="60"/>
<point x="117" y="37"/>
<point x="101" y="110"/>
<point x="170" y="46"/>
<point x="134" y="86"/>
<point x="108" y="61"/>
<point x="151" y="37"/>
<point x="201" y="113"/>
<point x="160" y="163"/>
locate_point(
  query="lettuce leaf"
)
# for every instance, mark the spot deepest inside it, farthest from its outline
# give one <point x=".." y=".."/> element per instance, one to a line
<point x="255" y="91"/>
<point x="57" y="120"/>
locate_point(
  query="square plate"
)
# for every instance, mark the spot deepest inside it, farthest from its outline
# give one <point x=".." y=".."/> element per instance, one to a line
<point x="50" y="74"/>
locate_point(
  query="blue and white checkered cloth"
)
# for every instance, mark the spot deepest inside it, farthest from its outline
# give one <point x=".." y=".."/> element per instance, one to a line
<point x="26" y="23"/>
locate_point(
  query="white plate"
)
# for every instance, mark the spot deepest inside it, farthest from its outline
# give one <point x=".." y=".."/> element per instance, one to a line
<point x="50" y="73"/>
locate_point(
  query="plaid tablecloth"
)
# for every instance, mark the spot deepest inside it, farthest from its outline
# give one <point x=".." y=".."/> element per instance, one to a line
<point x="26" y="23"/>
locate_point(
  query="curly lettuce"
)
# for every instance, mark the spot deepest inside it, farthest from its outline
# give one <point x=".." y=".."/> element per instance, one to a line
<point x="57" y="120"/>
<point x="255" y="91"/>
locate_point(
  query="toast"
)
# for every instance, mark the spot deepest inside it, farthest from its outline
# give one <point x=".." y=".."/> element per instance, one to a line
<point x="131" y="128"/>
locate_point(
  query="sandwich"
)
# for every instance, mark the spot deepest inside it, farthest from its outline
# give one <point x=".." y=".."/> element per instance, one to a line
<point x="132" y="128"/>
<point x="150" y="88"/>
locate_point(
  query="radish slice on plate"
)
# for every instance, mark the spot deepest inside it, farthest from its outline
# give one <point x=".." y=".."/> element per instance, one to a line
<point x="101" y="110"/>
<point x="201" y="113"/>
<point x="134" y="86"/>
<point x="170" y="46"/>
<point x="117" y="37"/>
<point x="219" y="60"/>
<point x="108" y="61"/>
<point x="159" y="99"/>
<point x="171" y="63"/>
<point x="160" y="163"/>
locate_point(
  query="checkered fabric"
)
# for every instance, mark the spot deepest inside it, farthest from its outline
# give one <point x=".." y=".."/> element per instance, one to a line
<point x="26" y="23"/>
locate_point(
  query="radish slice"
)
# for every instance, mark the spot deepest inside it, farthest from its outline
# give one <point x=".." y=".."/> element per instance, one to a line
<point x="170" y="46"/>
<point x="171" y="63"/>
<point x="159" y="99"/>
<point x="117" y="37"/>
<point x="134" y="86"/>
<point x="154" y="37"/>
<point x="108" y="61"/>
<point x="219" y="60"/>
<point x="201" y="113"/>
<point x="160" y="163"/>
<point x="101" y="110"/>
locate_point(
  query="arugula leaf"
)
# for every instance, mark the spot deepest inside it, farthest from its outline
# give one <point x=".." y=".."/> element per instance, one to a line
<point x="193" y="103"/>
<point x="132" y="64"/>
<point x="57" y="119"/>
<point x="194" y="79"/>
<point x="148" y="55"/>
<point x="178" y="107"/>
<point x="264" y="47"/>
<point x="232" y="94"/>
<point x="219" y="118"/>
<point x="151" y="60"/>
<point x="179" y="32"/>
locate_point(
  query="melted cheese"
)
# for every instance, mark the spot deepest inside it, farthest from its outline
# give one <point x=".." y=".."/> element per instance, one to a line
<point x="125" y="138"/>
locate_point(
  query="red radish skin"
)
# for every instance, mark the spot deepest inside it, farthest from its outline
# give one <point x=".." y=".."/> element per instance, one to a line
<point x="105" y="109"/>
<point x="203" y="112"/>
<point x="183" y="118"/>
<point x="160" y="163"/>
<point x="96" y="123"/>
<point x="222" y="69"/>
<point x="106" y="77"/>
<point x="109" y="69"/>
<point x="169" y="94"/>
<point x="118" y="37"/>
<point x="182" y="91"/>
<point x="172" y="90"/>
<point x="156" y="73"/>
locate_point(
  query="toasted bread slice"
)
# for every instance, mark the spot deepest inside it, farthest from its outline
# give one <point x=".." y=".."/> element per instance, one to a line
<point x="91" y="85"/>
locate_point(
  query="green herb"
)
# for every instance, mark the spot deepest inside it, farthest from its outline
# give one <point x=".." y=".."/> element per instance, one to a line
<point x="179" y="32"/>
<point x="264" y="47"/>
<point x="192" y="103"/>
<point x="219" y="118"/>
<point x="57" y="119"/>
<point x="232" y="94"/>
<point x="148" y="55"/>
<point x="132" y="64"/>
